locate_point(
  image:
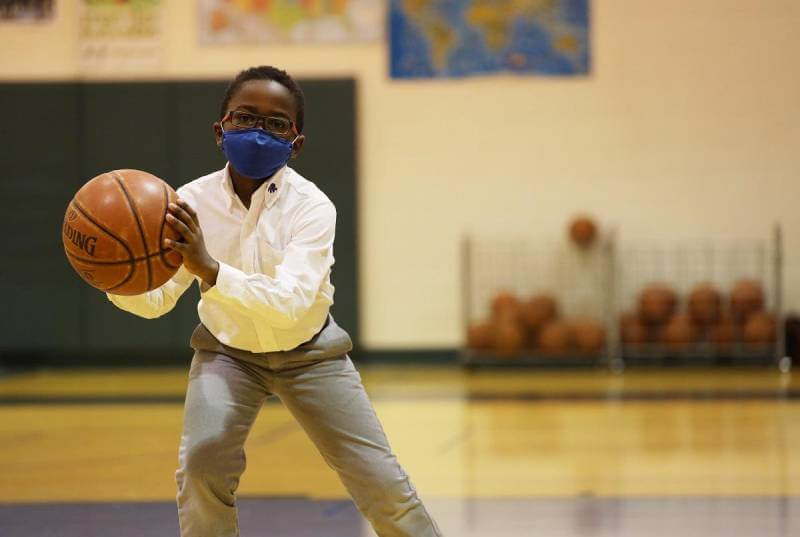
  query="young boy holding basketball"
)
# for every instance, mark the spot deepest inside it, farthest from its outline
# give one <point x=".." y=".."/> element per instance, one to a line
<point x="259" y="239"/>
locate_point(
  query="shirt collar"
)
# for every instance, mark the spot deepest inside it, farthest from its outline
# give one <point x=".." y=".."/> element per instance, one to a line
<point x="269" y="191"/>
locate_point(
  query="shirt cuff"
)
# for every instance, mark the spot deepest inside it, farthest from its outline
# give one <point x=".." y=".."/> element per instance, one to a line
<point x="229" y="281"/>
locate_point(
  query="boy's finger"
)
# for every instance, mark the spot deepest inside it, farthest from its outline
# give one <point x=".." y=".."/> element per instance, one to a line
<point x="175" y="245"/>
<point x="188" y="209"/>
<point x="179" y="226"/>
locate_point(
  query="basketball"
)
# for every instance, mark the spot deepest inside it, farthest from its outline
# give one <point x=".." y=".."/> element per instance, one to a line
<point x="582" y="231"/>
<point x="760" y="329"/>
<point x="632" y="330"/>
<point x="747" y="297"/>
<point x="505" y="305"/>
<point x="114" y="231"/>
<point x="657" y="303"/>
<point x="724" y="333"/>
<point x="554" y="338"/>
<point x="705" y="304"/>
<point x="509" y="338"/>
<point x="679" y="333"/>
<point x="539" y="310"/>
<point x="480" y="336"/>
<point x="588" y="335"/>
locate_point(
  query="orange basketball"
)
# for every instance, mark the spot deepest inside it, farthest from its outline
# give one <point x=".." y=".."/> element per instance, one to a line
<point x="632" y="330"/>
<point x="554" y="338"/>
<point x="747" y="297"/>
<point x="481" y="336"/>
<point x="760" y="328"/>
<point x="679" y="333"/>
<point x="509" y="338"/>
<point x="588" y="335"/>
<point x="114" y="231"/>
<point x="582" y="231"/>
<point x="724" y="333"/>
<point x="505" y="307"/>
<point x="657" y="303"/>
<point x="539" y="310"/>
<point x="705" y="304"/>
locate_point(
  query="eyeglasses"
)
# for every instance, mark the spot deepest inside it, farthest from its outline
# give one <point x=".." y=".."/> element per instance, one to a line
<point x="247" y="120"/>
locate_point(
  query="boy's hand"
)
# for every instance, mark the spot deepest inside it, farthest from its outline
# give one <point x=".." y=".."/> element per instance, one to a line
<point x="196" y="258"/>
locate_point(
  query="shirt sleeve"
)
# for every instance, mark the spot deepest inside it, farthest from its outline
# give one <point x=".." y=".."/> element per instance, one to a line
<point x="285" y="299"/>
<point x="157" y="302"/>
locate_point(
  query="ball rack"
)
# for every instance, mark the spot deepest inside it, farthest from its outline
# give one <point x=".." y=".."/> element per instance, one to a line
<point x="604" y="280"/>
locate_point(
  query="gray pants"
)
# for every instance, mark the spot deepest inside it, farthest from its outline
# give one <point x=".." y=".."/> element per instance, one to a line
<point x="320" y="387"/>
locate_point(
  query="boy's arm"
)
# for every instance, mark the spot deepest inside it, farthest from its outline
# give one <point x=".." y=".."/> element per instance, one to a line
<point x="157" y="302"/>
<point x="284" y="299"/>
<point x="281" y="300"/>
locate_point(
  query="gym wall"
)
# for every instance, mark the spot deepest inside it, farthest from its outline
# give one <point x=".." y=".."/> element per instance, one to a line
<point x="686" y="128"/>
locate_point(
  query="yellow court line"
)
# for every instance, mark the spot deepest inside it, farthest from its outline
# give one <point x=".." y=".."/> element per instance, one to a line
<point x="387" y="381"/>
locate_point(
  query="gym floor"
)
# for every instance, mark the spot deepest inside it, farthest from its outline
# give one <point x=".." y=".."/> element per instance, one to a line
<point x="496" y="453"/>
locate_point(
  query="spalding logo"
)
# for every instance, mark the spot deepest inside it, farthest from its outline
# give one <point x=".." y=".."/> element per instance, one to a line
<point x="86" y="243"/>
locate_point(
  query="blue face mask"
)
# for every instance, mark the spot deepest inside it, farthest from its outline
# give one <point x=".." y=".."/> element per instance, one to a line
<point x="255" y="153"/>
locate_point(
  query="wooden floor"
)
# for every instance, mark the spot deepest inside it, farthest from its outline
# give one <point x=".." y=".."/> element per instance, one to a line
<point x="69" y="436"/>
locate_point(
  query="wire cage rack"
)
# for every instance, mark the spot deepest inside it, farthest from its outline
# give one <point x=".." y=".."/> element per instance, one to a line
<point x="604" y="283"/>
<point x="683" y="266"/>
<point x="580" y="280"/>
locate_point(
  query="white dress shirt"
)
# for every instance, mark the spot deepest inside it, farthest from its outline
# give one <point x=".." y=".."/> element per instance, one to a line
<point x="273" y="290"/>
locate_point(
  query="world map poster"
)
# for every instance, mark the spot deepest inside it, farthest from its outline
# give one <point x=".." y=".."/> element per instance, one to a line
<point x="457" y="38"/>
<point x="290" y="21"/>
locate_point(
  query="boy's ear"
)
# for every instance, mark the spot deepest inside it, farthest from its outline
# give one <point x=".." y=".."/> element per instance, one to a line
<point x="297" y="145"/>
<point x="218" y="133"/>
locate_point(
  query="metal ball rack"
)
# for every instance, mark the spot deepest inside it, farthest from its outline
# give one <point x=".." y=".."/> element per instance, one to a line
<point x="604" y="281"/>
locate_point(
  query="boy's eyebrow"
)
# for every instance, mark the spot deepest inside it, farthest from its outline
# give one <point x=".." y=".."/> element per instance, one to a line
<point x="251" y="108"/>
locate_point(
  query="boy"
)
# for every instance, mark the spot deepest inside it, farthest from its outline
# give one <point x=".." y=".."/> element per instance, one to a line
<point x="263" y="258"/>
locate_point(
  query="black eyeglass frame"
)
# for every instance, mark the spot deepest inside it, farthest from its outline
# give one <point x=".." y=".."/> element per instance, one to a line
<point x="260" y="120"/>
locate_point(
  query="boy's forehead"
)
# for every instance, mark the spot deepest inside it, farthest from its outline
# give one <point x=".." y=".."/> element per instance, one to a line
<point x="266" y="96"/>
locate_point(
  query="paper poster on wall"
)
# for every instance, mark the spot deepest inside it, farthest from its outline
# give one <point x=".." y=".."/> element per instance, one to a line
<point x="456" y="38"/>
<point x="290" y="21"/>
<point x="26" y="10"/>
<point x="119" y="37"/>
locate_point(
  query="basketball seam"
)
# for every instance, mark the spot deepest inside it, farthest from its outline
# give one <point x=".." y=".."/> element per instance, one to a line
<point x="130" y="261"/>
<point x="121" y="184"/>
<point x="90" y="261"/>
<point x="104" y="228"/>
<point x="164" y="223"/>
